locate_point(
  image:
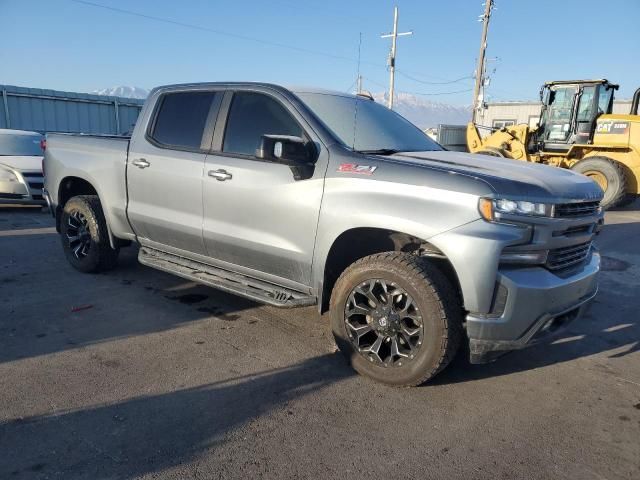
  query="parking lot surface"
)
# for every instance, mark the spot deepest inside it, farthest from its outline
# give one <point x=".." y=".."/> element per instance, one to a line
<point x="140" y="374"/>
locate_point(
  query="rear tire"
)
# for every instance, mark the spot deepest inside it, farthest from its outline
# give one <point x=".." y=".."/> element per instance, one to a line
<point x="610" y="175"/>
<point x="435" y="306"/>
<point x="84" y="235"/>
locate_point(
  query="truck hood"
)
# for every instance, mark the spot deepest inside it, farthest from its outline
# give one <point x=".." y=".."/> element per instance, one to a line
<point x="513" y="178"/>
<point x="22" y="162"/>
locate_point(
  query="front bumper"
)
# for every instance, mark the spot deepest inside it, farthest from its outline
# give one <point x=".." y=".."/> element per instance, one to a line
<point x="538" y="304"/>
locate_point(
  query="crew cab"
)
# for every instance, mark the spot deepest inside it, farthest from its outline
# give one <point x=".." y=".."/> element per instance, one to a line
<point x="299" y="197"/>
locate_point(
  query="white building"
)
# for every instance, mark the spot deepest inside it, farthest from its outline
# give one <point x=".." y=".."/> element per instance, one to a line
<point x="504" y="114"/>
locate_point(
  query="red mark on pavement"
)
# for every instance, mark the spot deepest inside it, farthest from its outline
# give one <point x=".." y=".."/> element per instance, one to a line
<point x="81" y="308"/>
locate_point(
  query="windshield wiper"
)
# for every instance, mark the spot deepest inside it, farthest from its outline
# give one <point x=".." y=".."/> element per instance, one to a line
<point x="380" y="151"/>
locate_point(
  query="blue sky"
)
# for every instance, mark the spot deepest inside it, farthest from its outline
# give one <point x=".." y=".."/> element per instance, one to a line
<point x="67" y="45"/>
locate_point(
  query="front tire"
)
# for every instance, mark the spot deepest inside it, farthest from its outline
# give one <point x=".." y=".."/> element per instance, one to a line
<point x="610" y="175"/>
<point x="396" y="318"/>
<point x="84" y="235"/>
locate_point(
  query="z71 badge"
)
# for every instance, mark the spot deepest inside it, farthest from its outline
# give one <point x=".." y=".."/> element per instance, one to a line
<point x="612" y="127"/>
<point x="354" y="168"/>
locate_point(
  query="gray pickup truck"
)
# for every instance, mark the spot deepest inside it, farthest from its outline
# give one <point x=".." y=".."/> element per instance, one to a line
<point x="308" y="197"/>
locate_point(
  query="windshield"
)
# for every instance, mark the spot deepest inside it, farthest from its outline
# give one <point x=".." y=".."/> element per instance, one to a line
<point x="20" y="144"/>
<point x="364" y="125"/>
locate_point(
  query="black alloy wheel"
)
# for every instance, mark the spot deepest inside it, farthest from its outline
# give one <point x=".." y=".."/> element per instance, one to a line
<point x="78" y="234"/>
<point x="384" y="323"/>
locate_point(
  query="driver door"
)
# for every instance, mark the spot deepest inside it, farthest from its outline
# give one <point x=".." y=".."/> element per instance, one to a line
<point x="258" y="219"/>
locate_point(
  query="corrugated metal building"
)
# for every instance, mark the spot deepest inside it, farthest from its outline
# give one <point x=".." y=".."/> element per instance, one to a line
<point x="501" y="114"/>
<point x="55" y="111"/>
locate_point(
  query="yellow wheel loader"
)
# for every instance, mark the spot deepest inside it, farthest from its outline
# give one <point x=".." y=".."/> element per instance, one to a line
<point x="577" y="130"/>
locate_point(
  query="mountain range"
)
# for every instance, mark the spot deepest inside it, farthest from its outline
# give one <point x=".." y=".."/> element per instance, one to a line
<point x="421" y="112"/>
<point x="123" y="91"/>
<point x="425" y="113"/>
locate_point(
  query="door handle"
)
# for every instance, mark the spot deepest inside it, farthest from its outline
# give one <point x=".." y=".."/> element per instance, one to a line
<point x="220" y="175"/>
<point x="141" y="163"/>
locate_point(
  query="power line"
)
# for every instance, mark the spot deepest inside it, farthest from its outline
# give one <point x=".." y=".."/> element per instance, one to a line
<point x="353" y="84"/>
<point x="406" y="75"/>
<point x="426" y="94"/>
<point x="255" y="40"/>
<point x="220" y="32"/>
<point x="438" y="93"/>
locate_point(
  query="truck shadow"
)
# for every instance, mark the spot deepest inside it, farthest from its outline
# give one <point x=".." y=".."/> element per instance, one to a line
<point x="152" y="433"/>
<point x="610" y="329"/>
<point x="48" y="307"/>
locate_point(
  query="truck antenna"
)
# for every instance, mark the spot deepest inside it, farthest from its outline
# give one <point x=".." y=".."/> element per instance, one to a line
<point x="355" y="98"/>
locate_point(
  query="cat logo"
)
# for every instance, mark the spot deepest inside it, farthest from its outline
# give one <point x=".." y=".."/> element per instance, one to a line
<point x="609" y="126"/>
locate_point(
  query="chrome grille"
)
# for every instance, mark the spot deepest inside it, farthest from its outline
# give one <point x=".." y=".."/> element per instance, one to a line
<point x="564" y="257"/>
<point x="576" y="209"/>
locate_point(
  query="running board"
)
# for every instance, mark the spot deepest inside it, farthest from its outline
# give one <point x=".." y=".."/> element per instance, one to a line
<point x="223" y="279"/>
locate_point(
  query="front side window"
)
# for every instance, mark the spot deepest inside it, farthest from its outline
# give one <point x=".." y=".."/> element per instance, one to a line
<point x="604" y="100"/>
<point x="181" y="119"/>
<point x="253" y="115"/>
<point x="585" y="109"/>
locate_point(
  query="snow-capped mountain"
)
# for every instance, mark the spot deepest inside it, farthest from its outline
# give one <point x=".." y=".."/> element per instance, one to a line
<point x="425" y="113"/>
<point x="123" y="91"/>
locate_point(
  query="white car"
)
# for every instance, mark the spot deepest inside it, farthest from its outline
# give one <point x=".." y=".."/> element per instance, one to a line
<point x="21" y="178"/>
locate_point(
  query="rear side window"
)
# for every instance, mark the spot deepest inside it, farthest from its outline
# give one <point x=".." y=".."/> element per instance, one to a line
<point x="253" y="115"/>
<point x="181" y="119"/>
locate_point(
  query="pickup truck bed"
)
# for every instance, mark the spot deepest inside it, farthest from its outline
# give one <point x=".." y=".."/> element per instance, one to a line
<point x="98" y="161"/>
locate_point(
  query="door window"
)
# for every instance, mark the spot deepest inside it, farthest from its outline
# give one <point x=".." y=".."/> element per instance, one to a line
<point x="181" y="119"/>
<point x="604" y="100"/>
<point x="585" y="109"/>
<point x="253" y="115"/>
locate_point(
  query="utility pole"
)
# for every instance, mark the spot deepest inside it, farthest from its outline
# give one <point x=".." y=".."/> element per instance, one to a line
<point x="392" y="56"/>
<point x="480" y="69"/>
<point x="359" y="84"/>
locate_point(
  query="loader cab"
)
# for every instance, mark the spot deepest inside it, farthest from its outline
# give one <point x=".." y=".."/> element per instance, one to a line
<point x="569" y="112"/>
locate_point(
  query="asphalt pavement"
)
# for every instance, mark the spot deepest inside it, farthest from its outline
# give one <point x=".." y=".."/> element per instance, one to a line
<point x="139" y="374"/>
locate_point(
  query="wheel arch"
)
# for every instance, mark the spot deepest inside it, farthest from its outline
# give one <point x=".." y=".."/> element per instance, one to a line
<point x="72" y="186"/>
<point x="359" y="242"/>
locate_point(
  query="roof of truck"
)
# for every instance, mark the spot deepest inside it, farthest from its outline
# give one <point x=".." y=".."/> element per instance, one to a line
<point x="291" y="88"/>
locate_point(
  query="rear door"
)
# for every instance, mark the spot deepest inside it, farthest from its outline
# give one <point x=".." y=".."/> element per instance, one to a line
<point x="260" y="218"/>
<point x="165" y="170"/>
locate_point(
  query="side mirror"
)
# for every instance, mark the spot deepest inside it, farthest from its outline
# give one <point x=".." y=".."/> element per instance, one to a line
<point x="286" y="149"/>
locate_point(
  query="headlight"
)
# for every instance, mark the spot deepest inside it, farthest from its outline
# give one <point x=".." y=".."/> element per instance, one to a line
<point x="7" y="175"/>
<point x="523" y="256"/>
<point x="489" y="207"/>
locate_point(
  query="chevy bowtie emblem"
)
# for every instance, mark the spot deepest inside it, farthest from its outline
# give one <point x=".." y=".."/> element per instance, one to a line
<point x="355" y="168"/>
